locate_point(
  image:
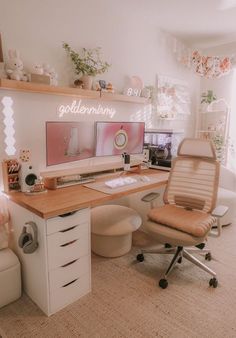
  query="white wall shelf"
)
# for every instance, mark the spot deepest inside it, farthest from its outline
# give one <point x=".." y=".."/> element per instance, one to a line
<point x="31" y="87"/>
<point x="212" y="123"/>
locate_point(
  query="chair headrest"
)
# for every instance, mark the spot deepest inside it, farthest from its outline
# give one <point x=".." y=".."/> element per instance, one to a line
<point x="196" y="147"/>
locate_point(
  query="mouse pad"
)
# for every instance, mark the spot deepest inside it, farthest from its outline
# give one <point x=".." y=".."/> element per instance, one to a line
<point x="100" y="186"/>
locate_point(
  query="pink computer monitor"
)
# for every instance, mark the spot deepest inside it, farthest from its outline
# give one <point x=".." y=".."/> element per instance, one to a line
<point x="115" y="138"/>
<point x="68" y="141"/>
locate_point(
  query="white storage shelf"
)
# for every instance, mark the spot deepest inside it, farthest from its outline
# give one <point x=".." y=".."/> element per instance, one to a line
<point x="213" y="124"/>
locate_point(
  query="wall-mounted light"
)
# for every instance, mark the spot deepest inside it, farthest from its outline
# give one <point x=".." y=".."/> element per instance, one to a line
<point x="8" y="121"/>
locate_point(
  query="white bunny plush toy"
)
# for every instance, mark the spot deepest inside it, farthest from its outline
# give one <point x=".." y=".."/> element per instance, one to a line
<point x="15" y="67"/>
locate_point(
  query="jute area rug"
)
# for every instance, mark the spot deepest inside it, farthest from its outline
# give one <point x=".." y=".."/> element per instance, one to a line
<point x="126" y="301"/>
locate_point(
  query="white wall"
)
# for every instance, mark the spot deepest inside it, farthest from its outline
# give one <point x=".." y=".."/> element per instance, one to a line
<point x="224" y="87"/>
<point x="129" y="42"/>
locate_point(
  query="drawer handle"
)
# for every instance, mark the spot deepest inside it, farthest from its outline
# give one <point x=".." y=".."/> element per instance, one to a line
<point x="68" y="214"/>
<point x="63" y="245"/>
<point x="67" y="264"/>
<point x="71" y="228"/>
<point x="64" y="286"/>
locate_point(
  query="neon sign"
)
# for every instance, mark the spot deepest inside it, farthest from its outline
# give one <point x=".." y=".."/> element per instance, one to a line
<point x="77" y="107"/>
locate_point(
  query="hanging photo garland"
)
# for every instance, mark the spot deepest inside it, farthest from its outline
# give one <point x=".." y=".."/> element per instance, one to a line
<point x="207" y="66"/>
<point x="211" y="66"/>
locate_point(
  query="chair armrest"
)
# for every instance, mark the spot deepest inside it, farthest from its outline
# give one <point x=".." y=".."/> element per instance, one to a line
<point x="220" y="211"/>
<point x="150" y="197"/>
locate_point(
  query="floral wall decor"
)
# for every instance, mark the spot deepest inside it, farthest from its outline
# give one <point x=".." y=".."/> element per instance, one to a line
<point x="211" y="66"/>
<point x="204" y="65"/>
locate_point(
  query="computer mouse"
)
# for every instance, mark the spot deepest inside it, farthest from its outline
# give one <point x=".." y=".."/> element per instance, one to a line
<point x="145" y="179"/>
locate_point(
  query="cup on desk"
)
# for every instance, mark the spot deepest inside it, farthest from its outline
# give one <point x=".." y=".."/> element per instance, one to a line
<point x="126" y="160"/>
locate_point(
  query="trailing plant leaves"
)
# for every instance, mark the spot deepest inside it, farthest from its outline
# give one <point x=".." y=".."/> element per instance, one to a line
<point x="88" y="62"/>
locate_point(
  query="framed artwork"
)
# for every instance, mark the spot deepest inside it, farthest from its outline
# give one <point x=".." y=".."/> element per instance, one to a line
<point x="173" y="97"/>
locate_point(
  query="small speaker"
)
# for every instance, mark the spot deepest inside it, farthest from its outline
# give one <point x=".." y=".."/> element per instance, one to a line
<point x="146" y="154"/>
<point x="27" y="176"/>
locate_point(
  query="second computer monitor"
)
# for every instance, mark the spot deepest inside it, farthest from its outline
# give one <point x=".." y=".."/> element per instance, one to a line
<point x="116" y="138"/>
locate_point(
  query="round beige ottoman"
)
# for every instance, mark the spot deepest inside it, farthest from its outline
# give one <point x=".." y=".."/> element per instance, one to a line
<point x="228" y="198"/>
<point x="10" y="277"/>
<point x="112" y="227"/>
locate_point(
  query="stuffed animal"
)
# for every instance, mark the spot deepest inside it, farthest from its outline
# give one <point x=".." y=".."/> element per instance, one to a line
<point x="37" y="69"/>
<point x="15" y="67"/>
<point x="47" y="70"/>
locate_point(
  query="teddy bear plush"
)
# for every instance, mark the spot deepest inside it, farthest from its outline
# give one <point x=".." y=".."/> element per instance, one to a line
<point x="15" y="67"/>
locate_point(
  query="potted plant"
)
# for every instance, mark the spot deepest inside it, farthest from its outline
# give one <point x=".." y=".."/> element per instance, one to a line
<point x="87" y="63"/>
<point x="208" y="97"/>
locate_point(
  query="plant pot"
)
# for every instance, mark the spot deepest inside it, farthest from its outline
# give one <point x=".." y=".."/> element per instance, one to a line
<point x="87" y="81"/>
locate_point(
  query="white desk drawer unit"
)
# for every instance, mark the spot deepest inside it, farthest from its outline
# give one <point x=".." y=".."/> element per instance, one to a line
<point x="64" y="247"/>
<point x="67" y="294"/>
<point x="67" y="220"/>
<point x="66" y="273"/>
<point x="68" y="246"/>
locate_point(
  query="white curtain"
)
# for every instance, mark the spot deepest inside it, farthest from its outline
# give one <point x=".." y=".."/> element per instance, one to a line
<point x="231" y="163"/>
<point x="4" y="218"/>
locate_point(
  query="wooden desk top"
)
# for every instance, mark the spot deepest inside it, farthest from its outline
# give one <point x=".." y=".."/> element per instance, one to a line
<point x="56" y="202"/>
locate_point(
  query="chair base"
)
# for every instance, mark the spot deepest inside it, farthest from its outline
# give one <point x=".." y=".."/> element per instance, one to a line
<point x="180" y="253"/>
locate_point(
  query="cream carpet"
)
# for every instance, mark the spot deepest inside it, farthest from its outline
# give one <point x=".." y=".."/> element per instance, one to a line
<point x="126" y="301"/>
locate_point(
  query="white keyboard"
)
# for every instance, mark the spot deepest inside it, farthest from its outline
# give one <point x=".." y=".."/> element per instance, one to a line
<point x="120" y="182"/>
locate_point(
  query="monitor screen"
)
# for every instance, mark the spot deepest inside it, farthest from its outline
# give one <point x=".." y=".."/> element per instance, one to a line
<point x="159" y="139"/>
<point x="68" y="141"/>
<point x="116" y="138"/>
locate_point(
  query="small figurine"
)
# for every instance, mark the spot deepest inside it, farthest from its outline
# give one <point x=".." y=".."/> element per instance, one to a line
<point x="79" y="84"/>
<point x="102" y="84"/>
<point x="109" y="88"/>
<point x="48" y="70"/>
<point x="96" y="86"/>
<point x="37" y="69"/>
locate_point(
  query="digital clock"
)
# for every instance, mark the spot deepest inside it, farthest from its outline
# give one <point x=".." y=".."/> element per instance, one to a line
<point x="133" y="86"/>
<point x="133" y="92"/>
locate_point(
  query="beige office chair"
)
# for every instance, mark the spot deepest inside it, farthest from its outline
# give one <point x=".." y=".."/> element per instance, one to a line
<point x="187" y="215"/>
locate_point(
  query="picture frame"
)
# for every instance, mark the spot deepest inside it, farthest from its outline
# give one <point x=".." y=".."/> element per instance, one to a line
<point x="173" y="97"/>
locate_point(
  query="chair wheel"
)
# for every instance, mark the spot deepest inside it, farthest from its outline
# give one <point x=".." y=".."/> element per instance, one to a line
<point x="167" y="245"/>
<point x="163" y="283"/>
<point x="213" y="282"/>
<point x="200" y="246"/>
<point x="179" y="260"/>
<point x="140" y="257"/>
<point x="208" y="256"/>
